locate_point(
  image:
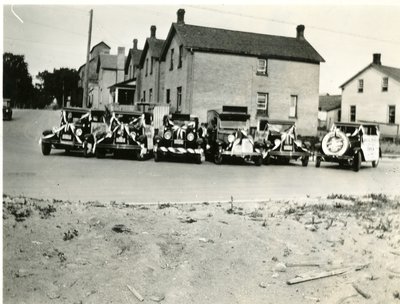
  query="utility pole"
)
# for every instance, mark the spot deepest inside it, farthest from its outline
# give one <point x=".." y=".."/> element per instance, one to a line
<point x="86" y="84"/>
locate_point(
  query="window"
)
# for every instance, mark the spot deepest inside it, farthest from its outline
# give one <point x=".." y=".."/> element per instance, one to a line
<point x="385" y="84"/>
<point x="360" y="85"/>
<point x="293" y="106"/>
<point x="151" y="65"/>
<point x="352" y="113"/>
<point x="150" y="95"/>
<point x="178" y="99"/>
<point x="392" y="114"/>
<point x="147" y="65"/>
<point x="339" y="115"/>
<point x="180" y="56"/>
<point x="144" y="96"/>
<point x="171" y="60"/>
<point x="262" y="66"/>
<point x="168" y="97"/>
<point x="262" y="103"/>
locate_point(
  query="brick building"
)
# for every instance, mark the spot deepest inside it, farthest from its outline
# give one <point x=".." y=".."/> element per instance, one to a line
<point x="203" y="68"/>
<point x="373" y="95"/>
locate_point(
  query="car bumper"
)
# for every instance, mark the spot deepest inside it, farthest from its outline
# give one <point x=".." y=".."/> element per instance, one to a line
<point x="59" y="144"/>
<point x="334" y="158"/>
<point x="178" y="151"/>
<point x="288" y="154"/>
<point x="119" y="147"/>
<point x="241" y="154"/>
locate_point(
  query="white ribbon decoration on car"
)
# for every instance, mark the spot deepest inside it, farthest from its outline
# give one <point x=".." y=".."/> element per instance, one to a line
<point x="181" y="131"/>
<point x="66" y="126"/>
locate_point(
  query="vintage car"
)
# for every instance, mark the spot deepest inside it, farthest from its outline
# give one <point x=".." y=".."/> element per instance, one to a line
<point x="179" y="137"/>
<point x="7" y="110"/>
<point x="281" y="142"/>
<point x="75" y="125"/>
<point x="122" y="132"/>
<point x="228" y="136"/>
<point x="350" y="144"/>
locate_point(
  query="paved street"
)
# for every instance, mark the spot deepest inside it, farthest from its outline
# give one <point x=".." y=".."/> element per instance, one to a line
<point x="26" y="171"/>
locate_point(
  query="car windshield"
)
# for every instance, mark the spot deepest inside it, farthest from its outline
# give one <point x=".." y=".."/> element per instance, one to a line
<point x="233" y="124"/>
<point x="126" y="118"/>
<point x="348" y="130"/>
<point x="73" y="116"/>
<point x="279" y="128"/>
<point x="184" y="123"/>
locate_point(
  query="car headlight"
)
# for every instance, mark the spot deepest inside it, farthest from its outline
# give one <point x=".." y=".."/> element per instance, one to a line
<point x="167" y="135"/>
<point x="190" y="137"/>
<point x="277" y="142"/>
<point x="79" y="132"/>
<point x="133" y="134"/>
<point x="231" y="138"/>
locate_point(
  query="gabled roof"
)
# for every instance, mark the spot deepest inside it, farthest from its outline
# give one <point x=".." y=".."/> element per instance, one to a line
<point x="107" y="62"/>
<point x="329" y="102"/>
<point x="217" y="40"/>
<point x="391" y="72"/>
<point x="155" y="45"/>
<point x="101" y="42"/>
<point x="133" y="55"/>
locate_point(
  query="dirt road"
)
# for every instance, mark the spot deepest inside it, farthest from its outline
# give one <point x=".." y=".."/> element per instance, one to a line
<point x="72" y="177"/>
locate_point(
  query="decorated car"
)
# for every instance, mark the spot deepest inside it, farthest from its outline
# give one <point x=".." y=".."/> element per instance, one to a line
<point x="228" y="136"/>
<point x="7" y="110"/>
<point x="75" y="125"/>
<point x="179" y="137"/>
<point x="122" y="131"/>
<point x="350" y="144"/>
<point x="281" y="142"/>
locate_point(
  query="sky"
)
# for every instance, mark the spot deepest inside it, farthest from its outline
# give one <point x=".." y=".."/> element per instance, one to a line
<point x="345" y="35"/>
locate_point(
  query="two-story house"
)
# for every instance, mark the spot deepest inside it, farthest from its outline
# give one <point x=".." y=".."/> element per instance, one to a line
<point x="105" y="70"/>
<point x="151" y="76"/>
<point x="93" y="94"/>
<point x="275" y="77"/>
<point x="373" y="95"/>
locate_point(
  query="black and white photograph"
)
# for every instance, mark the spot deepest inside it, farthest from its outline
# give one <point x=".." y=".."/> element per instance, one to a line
<point x="201" y="152"/>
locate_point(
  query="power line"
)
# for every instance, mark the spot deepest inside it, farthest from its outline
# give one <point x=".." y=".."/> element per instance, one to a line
<point x="292" y="23"/>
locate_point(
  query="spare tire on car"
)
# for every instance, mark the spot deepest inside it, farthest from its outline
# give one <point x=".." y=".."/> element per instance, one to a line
<point x="335" y="143"/>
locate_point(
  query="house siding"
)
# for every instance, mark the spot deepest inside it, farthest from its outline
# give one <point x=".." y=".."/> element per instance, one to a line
<point x="151" y="81"/>
<point x="372" y="104"/>
<point x="221" y="79"/>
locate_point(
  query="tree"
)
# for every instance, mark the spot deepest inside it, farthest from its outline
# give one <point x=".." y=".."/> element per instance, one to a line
<point x="17" y="83"/>
<point x="60" y="84"/>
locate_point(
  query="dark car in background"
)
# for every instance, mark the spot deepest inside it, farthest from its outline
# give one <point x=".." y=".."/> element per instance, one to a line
<point x="122" y="132"/>
<point x="228" y="136"/>
<point x="281" y="142"/>
<point x="74" y="126"/>
<point x="349" y="144"/>
<point x="7" y="110"/>
<point x="179" y="138"/>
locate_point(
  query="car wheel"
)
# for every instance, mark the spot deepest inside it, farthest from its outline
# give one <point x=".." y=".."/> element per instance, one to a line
<point x="258" y="161"/>
<point x="46" y="148"/>
<point x="375" y="163"/>
<point x="267" y="160"/>
<point x="140" y="156"/>
<point x="318" y="161"/>
<point x="304" y="161"/>
<point x="218" y="157"/>
<point x="157" y="157"/>
<point x="198" y="158"/>
<point x="357" y="162"/>
<point x="87" y="148"/>
<point x="99" y="153"/>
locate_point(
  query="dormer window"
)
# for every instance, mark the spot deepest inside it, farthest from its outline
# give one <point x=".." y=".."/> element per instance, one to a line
<point x="360" y="85"/>
<point x="385" y="84"/>
<point x="262" y="67"/>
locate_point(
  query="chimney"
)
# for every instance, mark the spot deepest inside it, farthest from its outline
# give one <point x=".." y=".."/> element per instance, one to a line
<point x="153" y="29"/>
<point x="376" y="59"/>
<point x="120" y="57"/>
<point x="181" y="16"/>
<point x="300" y="32"/>
<point x="135" y="44"/>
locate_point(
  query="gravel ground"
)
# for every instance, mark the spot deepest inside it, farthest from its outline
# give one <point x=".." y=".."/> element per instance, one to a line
<point x="75" y="252"/>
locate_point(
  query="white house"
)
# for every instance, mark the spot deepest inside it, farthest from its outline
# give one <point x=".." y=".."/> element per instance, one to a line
<point x="373" y="95"/>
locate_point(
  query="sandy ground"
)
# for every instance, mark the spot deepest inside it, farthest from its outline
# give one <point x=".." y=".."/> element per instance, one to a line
<point x="75" y="252"/>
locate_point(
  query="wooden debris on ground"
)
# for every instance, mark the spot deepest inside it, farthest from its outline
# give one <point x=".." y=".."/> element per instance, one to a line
<point x="360" y="291"/>
<point x="135" y="293"/>
<point x="324" y="274"/>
